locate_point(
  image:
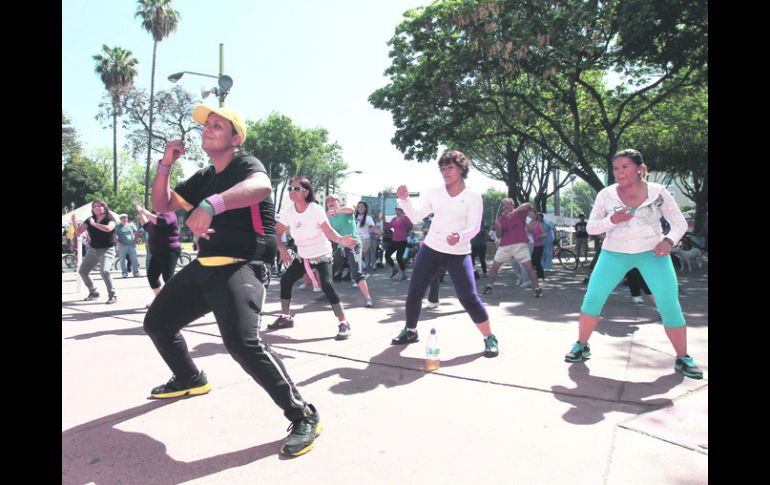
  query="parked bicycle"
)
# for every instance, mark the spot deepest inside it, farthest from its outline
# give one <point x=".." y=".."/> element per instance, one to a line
<point x="566" y="257"/>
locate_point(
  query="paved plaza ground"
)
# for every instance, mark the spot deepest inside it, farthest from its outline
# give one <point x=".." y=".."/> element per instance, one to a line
<point x="526" y="417"/>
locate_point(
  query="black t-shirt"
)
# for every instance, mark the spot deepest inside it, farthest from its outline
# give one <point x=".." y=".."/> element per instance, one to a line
<point x="247" y="232"/>
<point x="480" y="239"/>
<point x="580" y="230"/>
<point x="100" y="239"/>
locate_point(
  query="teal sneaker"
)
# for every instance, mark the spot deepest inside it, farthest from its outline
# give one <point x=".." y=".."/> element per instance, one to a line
<point x="686" y="365"/>
<point x="578" y="353"/>
<point x="490" y="346"/>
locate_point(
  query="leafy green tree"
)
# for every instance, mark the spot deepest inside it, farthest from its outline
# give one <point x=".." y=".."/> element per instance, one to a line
<point x="674" y="139"/>
<point x="578" y="199"/>
<point x="528" y="71"/>
<point x="173" y="122"/>
<point x="491" y="199"/>
<point x="160" y="20"/>
<point x="117" y="69"/>
<point x="70" y="144"/>
<point x="275" y="142"/>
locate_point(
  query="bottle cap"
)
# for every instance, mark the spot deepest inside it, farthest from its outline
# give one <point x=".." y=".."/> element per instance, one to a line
<point x="433" y="331"/>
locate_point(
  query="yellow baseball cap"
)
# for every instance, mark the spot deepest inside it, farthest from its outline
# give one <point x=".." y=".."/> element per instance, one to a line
<point x="201" y="113"/>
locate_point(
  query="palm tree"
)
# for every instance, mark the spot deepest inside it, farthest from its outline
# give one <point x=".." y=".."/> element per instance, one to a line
<point x="160" y="20"/>
<point x="117" y="69"/>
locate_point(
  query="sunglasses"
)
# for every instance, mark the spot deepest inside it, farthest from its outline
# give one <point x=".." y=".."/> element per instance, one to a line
<point x="298" y="188"/>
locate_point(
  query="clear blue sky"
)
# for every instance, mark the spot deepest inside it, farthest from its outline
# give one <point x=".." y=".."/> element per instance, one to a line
<point x="315" y="61"/>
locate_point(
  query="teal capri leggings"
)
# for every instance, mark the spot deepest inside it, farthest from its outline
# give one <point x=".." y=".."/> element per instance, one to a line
<point x="657" y="271"/>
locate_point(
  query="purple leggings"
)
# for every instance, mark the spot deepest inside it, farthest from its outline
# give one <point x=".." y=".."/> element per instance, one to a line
<point x="460" y="267"/>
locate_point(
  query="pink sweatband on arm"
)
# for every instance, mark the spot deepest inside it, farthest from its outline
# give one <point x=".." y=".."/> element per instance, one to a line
<point x="164" y="169"/>
<point x="217" y="202"/>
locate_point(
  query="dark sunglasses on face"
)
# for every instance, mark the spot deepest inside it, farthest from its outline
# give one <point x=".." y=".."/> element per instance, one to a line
<point x="298" y="188"/>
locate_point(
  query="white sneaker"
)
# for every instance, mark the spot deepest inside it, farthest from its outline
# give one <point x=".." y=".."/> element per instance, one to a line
<point x="317" y="290"/>
<point x="368" y="303"/>
<point x="637" y="300"/>
<point x="431" y="305"/>
<point x="526" y="284"/>
<point x="343" y="331"/>
<point x="355" y="285"/>
<point x="303" y="286"/>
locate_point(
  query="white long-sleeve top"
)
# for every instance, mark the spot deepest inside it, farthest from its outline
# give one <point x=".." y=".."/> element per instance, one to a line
<point x="642" y="232"/>
<point x="461" y="214"/>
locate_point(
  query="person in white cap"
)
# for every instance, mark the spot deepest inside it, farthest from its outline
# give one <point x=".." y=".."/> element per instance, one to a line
<point x="230" y="208"/>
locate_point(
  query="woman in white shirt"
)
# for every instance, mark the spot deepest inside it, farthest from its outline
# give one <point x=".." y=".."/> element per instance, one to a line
<point x="366" y="227"/>
<point x="457" y="213"/>
<point x="311" y="232"/>
<point x="629" y="212"/>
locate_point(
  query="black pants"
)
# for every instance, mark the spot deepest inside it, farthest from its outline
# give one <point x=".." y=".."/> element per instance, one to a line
<point x="481" y="253"/>
<point x="537" y="261"/>
<point x="435" y="283"/>
<point x="296" y="270"/>
<point x="636" y="283"/>
<point x="235" y="293"/>
<point x="162" y="264"/>
<point x="398" y="247"/>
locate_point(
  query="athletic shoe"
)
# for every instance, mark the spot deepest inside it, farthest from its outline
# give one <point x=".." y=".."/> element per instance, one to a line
<point x="321" y="298"/>
<point x="431" y="305"/>
<point x="112" y="299"/>
<point x="394" y="273"/>
<point x="355" y="285"/>
<point x="303" y="433"/>
<point x="344" y="331"/>
<point x="281" y="322"/>
<point x="538" y="292"/>
<point x="406" y="337"/>
<point x="637" y="300"/>
<point x="317" y="290"/>
<point x="686" y="365"/>
<point x="93" y="295"/>
<point x="490" y="346"/>
<point x="368" y="303"/>
<point x="487" y="290"/>
<point x="525" y="284"/>
<point x="578" y="353"/>
<point x="303" y="286"/>
<point x="194" y="386"/>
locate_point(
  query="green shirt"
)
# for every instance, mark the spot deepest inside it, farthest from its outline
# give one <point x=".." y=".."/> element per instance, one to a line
<point x="345" y="225"/>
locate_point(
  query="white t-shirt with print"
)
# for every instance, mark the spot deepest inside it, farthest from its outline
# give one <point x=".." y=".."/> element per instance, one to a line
<point x="306" y="230"/>
<point x="363" y="231"/>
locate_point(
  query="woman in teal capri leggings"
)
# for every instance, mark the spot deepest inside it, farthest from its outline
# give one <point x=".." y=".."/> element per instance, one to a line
<point x="629" y="213"/>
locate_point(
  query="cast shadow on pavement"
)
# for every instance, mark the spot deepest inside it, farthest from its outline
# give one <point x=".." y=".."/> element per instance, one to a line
<point x="96" y="452"/>
<point x="388" y="369"/>
<point x="588" y="407"/>
<point x="127" y="331"/>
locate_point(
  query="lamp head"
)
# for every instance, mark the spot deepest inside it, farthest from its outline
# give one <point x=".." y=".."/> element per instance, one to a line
<point x="175" y="77"/>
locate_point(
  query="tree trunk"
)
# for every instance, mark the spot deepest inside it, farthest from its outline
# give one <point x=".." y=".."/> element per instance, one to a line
<point x="702" y="204"/>
<point x="114" y="151"/>
<point x="149" y="135"/>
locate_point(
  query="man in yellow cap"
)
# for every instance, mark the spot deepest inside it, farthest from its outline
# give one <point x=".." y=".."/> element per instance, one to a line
<point x="230" y="208"/>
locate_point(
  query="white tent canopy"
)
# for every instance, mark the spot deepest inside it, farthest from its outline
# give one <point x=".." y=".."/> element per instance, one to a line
<point x="82" y="213"/>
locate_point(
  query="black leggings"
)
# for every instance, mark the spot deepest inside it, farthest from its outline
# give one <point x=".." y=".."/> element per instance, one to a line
<point x="397" y="247"/>
<point x="636" y="283"/>
<point x="235" y="293"/>
<point x="537" y="256"/>
<point x="162" y="264"/>
<point x="296" y="270"/>
<point x="481" y="253"/>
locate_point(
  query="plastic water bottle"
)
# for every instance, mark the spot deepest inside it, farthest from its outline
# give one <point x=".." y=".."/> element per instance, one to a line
<point x="432" y="350"/>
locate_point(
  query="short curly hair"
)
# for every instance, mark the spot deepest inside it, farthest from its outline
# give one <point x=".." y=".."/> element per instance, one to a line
<point x="457" y="158"/>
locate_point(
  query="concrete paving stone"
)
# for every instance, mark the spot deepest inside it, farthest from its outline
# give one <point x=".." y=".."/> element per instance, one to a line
<point x="639" y="459"/>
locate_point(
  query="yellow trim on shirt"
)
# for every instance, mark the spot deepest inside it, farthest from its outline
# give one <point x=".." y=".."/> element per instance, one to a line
<point x="219" y="260"/>
<point x="187" y="206"/>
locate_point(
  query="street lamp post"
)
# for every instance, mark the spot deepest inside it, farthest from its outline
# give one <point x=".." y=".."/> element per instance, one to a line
<point x="223" y="81"/>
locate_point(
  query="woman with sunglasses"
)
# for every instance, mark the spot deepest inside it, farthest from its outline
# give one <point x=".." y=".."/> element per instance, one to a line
<point x="101" y="230"/>
<point x="457" y="213"/>
<point x="311" y="231"/>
